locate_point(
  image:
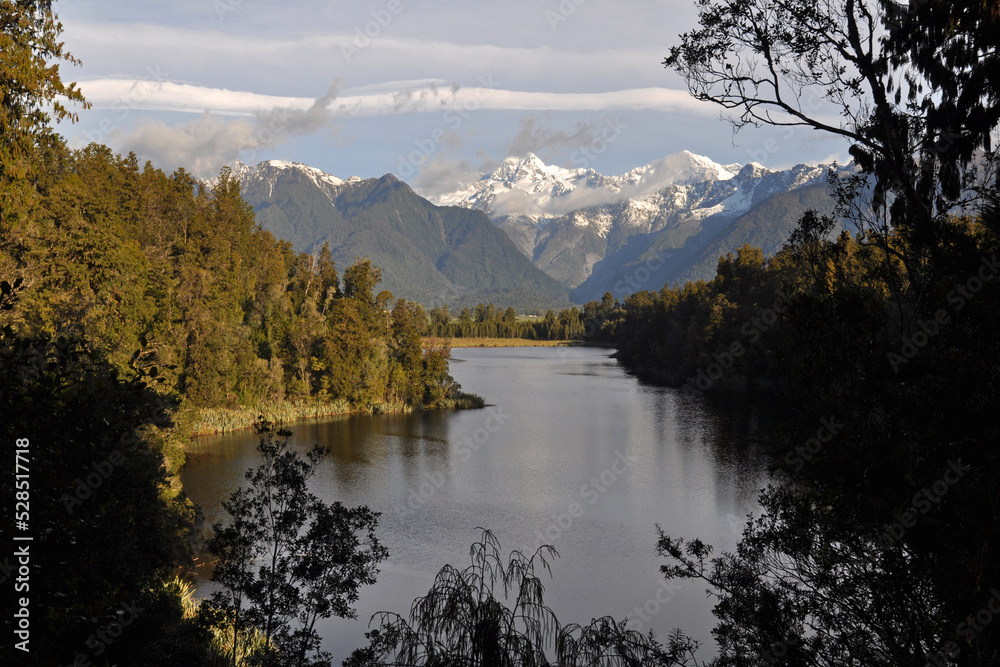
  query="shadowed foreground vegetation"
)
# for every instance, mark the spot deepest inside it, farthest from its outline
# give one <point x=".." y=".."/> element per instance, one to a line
<point x="130" y="298"/>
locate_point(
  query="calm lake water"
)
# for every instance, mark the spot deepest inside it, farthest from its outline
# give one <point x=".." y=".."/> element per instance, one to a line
<point x="572" y="452"/>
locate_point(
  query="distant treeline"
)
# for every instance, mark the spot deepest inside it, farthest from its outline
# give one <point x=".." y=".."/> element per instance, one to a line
<point x="487" y="321"/>
<point x="745" y="327"/>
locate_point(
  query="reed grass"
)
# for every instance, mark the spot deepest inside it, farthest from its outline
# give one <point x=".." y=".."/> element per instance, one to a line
<point x="223" y="420"/>
<point x="465" y="402"/>
<point x="221" y="640"/>
<point x="431" y="342"/>
<point x="209" y="421"/>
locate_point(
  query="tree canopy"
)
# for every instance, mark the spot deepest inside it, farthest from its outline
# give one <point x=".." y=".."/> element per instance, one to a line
<point x="913" y="87"/>
<point x="32" y="93"/>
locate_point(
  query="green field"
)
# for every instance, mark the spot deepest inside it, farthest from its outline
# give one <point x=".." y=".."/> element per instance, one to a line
<point x="495" y="342"/>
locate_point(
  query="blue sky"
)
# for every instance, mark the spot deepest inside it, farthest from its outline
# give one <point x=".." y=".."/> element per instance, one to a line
<point x="421" y="89"/>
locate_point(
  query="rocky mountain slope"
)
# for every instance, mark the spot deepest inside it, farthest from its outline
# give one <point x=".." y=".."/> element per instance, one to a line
<point x="427" y="253"/>
<point x="667" y="221"/>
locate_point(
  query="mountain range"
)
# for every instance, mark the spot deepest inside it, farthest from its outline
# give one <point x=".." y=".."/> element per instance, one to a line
<point x="665" y="222"/>
<point x="429" y="254"/>
<point x="534" y="235"/>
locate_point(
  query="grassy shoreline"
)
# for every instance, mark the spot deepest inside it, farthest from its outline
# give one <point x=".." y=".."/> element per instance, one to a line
<point x="495" y="342"/>
<point x="213" y="421"/>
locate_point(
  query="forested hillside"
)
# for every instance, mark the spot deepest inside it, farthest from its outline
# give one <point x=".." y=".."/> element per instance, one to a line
<point x="166" y="276"/>
<point x="429" y="254"/>
<point x="133" y="301"/>
<point x="136" y="307"/>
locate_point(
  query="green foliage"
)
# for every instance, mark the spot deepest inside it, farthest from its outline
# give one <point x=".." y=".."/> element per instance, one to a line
<point x="107" y="530"/>
<point x="32" y="94"/>
<point x="463" y="621"/>
<point x="286" y="559"/>
<point x="182" y="282"/>
<point x="487" y="321"/>
<point x="872" y="547"/>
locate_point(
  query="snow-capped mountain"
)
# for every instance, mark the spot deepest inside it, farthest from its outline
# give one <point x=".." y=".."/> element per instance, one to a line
<point x="529" y="187"/>
<point x="426" y="253"/>
<point x="263" y="176"/>
<point x="666" y="221"/>
<point x="575" y="224"/>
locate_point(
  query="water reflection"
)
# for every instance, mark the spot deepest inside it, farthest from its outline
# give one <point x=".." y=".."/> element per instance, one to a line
<point x="573" y="452"/>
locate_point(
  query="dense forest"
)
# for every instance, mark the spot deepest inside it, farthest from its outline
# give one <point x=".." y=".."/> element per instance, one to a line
<point x="166" y="276"/>
<point x="130" y="299"/>
<point x="487" y="321"/>
<point x="135" y="308"/>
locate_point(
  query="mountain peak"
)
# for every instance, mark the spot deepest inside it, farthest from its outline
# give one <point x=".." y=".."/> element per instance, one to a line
<point x="317" y="175"/>
<point x="686" y="168"/>
<point x="754" y="170"/>
<point x="527" y="167"/>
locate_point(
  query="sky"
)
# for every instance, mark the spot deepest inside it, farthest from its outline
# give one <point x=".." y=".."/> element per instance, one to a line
<point x="428" y="90"/>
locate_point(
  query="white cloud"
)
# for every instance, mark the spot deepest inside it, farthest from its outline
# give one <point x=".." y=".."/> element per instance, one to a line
<point x="168" y="96"/>
<point x="207" y="143"/>
<point x="220" y="55"/>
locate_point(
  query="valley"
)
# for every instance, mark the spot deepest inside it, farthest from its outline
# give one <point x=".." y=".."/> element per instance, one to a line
<point x="569" y="235"/>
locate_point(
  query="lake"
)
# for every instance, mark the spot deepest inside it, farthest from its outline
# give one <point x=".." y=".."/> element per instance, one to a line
<point x="571" y="451"/>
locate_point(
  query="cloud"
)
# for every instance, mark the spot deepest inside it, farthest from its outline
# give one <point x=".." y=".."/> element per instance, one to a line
<point x="202" y="146"/>
<point x="261" y="56"/>
<point x="207" y="143"/>
<point x="533" y="138"/>
<point x="444" y="175"/>
<point x="292" y="120"/>
<point x="404" y="97"/>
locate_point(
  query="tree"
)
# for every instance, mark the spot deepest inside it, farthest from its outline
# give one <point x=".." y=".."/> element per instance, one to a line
<point x="31" y="94"/>
<point x="953" y="47"/>
<point x="329" y="282"/>
<point x="106" y="538"/>
<point x="803" y="589"/>
<point x="287" y="559"/>
<point x="407" y="352"/>
<point x="915" y="88"/>
<point x="852" y="562"/>
<point x="360" y="280"/>
<point x="462" y="621"/>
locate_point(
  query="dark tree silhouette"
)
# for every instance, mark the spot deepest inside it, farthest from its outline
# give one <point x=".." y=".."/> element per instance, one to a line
<point x="286" y="559"/>
<point x="463" y="621"/>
